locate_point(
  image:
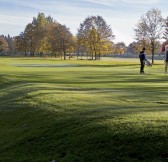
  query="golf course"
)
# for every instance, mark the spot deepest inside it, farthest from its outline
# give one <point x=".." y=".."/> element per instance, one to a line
<point x="82" y="110"/>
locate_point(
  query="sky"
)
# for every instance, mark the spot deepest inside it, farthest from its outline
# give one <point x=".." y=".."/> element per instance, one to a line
<point x="121" y="15"/>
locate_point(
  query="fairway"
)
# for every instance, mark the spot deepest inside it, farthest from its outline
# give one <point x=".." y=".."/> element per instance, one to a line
<point x="82" y="111"/>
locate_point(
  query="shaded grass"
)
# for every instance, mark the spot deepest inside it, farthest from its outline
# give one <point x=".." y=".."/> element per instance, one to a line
<point x="98" y="111"/>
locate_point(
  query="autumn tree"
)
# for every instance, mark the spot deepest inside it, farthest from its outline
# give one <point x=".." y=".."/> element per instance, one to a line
<point x="34" y="38"/>
<point x="53" y="34"/>
<point x="3" y="44"/>
<point x="131" y="48"/>
<point x="29" y="34"/>
<point x="107" y="48"/>
<point x="93" y="34"/>
<point x="61" y="39"/>
<point x="45" y="36"/>
<point x="120" y="48"/>
<point x="65" y="36"/>
<point x="137" y="46"/>
<point x="150" y="27"/>
<point x="40" y="25"/>
<point x="22" y="43"/>
<point x="11" y="44"/>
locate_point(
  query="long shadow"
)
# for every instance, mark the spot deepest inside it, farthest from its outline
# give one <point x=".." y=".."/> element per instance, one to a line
<point x="119" y="83"/>
<point x="37" y="133"/>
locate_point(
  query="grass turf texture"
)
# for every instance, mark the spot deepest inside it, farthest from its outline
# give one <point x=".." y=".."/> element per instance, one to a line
<point x="92" y="111"/>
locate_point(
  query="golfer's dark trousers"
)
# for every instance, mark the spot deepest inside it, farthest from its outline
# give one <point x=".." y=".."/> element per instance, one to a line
<point x="142" y="66"/>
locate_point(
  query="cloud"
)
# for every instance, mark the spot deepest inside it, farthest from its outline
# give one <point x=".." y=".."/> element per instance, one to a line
<point x="13" y="25"/>
<point x="141" y="1"/>
<point x="102" y="2"/>
<point x="14" y="20"/>
<point x="119" y="2"/>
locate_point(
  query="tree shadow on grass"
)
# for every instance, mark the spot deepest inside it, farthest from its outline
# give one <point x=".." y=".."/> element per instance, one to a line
<point x="46" y="132"/>
<point x="77" y="79"/>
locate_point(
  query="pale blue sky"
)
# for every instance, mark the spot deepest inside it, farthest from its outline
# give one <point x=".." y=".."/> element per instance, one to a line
<point x="121" y="15"/>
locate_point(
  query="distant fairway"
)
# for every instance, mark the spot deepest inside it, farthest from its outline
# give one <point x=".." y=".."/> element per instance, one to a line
<point x="86" y="111"/>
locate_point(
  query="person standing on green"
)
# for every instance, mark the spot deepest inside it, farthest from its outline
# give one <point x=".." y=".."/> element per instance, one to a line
<point x="142" y="57"/>
<point x="165" y="49"/>
<point x="166" y="58"/>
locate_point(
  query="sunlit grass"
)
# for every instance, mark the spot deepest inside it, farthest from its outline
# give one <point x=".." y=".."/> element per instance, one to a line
<point x="93" y="111"/>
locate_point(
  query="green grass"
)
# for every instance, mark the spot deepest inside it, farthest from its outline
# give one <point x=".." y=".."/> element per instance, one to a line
<point x="87" y="111"/>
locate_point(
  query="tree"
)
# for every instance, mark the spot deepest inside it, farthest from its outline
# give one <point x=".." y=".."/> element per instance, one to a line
<point x="40" y="33"/>
<point x="60" y="38"/>
<point x="53" y="34"/>
<point x="93" y="34"/>
<point x="45" y="37"/>
<point x="165" y="34"/>
<point x="107" y="48"/>
<point x="120" y="48"/>
<point x="11" y="44"/>
<point x="35" y="37"/>
<point x="29" y="34"/>
<point x="3" y="44"/>
<point x="150" y="27"/>
<point x="22" y="43"/>
<point x="136" y="47"/>
<point x="65" y="38"/>
<point x="131" y="50"/>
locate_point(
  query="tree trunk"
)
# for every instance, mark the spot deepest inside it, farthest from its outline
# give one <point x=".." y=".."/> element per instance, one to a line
<point x="95" y="56"/>
<point x="81" y="54"/>
<point x="153" y="51"/>
<point x="99" y="56"/>
<point x="92" y="55"/>
<point x="64" y="55"/>
<point x="77" y="54"/>
<point x="63" y="48"/>
<point x="41" y="54"/>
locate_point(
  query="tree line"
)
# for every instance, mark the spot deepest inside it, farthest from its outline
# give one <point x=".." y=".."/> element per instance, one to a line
<point x="46" y="37"/>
